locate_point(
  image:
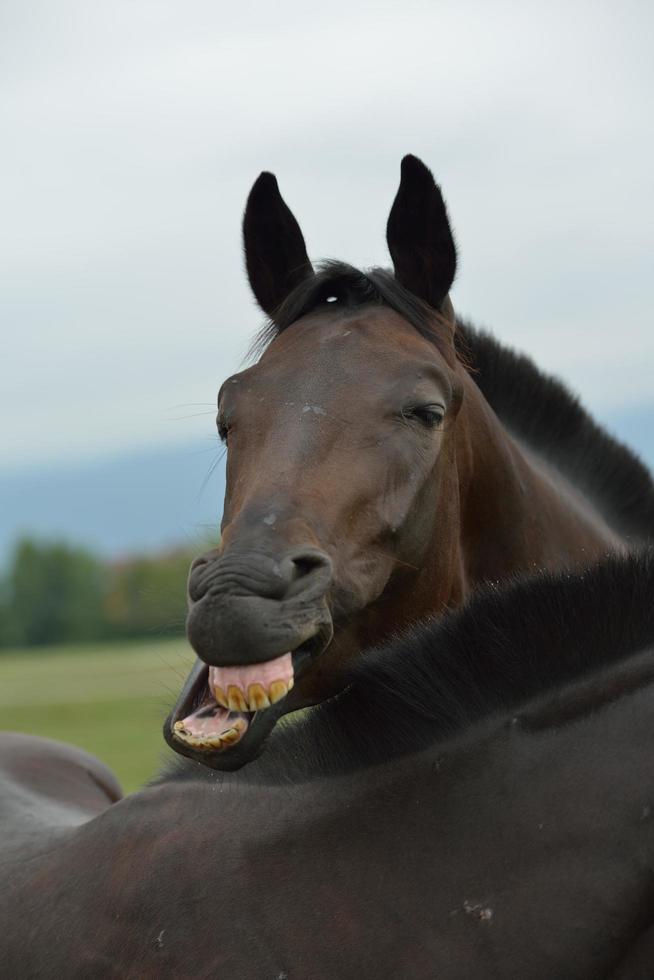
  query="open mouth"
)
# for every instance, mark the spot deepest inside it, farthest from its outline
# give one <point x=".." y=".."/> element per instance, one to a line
<point x="232" y="698"/>
<point x="224" y="714"/>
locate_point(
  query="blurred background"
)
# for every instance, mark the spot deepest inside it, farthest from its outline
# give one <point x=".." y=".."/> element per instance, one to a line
<point x="132" y="132"/>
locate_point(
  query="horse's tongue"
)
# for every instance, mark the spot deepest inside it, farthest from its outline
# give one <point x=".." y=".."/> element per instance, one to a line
<point x="252" y="686"/>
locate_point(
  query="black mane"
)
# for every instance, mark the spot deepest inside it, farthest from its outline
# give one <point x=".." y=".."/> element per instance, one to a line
<point x="503" y="649"/>
<point x="535" y="407"/>
<point x="540" y="410"/>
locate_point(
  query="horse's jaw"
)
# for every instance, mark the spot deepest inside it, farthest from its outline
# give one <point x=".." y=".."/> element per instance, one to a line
<point x="224" y="715"/>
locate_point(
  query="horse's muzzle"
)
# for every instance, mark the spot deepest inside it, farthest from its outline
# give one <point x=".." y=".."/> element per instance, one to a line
<point x="250" y="608"/>
<point x="257" y="622"/>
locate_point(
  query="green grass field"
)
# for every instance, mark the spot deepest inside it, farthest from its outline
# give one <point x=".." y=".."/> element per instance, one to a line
<point x="108" y="699"/>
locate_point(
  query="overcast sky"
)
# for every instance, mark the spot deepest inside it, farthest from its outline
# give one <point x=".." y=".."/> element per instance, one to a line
<point x="132" y="131"/>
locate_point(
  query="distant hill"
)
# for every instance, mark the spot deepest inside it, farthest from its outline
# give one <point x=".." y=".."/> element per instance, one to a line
<point x="126" y="503"/>
<point x="159" y="497"/>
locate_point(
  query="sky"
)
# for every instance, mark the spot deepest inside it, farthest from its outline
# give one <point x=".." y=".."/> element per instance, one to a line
<point x="132" y="132"/>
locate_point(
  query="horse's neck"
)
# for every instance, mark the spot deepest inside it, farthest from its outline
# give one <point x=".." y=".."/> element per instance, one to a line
<point x="518" y="512"/>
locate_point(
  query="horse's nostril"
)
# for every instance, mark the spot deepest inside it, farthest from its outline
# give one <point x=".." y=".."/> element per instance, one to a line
<point x="305" y="567"/>
<point x="307" y="572"/>
<point x="305" y="564"/>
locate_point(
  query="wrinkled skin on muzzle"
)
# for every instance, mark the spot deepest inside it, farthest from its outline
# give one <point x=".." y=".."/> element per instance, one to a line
<point x="248" y="607"/>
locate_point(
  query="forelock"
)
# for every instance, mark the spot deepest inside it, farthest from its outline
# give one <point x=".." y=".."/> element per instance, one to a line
<point x="337" y="285"/>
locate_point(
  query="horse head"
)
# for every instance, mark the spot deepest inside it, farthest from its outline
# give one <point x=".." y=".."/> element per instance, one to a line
<point x="340" y="462"/>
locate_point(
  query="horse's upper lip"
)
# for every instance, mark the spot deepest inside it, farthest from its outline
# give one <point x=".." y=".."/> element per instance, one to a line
<point x="244" y="732"/>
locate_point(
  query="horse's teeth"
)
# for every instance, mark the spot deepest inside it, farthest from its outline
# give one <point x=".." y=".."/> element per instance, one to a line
<point x="277" y="691"/>
<point x="204" y="743"/>
<point x="257" y="697"/>
<point x="236" y="699"/>
<point x="220" y="696"/>
<point x="178" y="726"/>
<point x="208" y="745"/>
<point x="230" y="736"/>
<point x="214" y="743"/>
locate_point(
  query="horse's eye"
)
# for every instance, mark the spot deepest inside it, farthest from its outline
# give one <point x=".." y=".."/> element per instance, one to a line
<point x="430" y="415"/>
<point x="223" y="428"/>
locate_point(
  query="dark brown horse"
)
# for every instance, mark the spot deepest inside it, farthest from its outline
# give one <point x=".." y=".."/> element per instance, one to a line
<point x="383" y="461"/>
<point x="507" y="830"/>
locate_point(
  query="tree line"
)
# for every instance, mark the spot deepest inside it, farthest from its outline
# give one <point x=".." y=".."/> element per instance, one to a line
<point x="54" y="592"/>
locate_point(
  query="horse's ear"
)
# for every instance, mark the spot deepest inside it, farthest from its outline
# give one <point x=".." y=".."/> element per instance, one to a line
<point x="419" y="237"/>
<point x="275" y="254"/>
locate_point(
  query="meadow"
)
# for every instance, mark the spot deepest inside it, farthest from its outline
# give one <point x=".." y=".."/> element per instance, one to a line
<point x="110" y="699"/>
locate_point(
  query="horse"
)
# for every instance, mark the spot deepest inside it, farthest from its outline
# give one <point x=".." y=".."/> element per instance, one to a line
<point x="477" y="802"/>
<point x="384" y="460"/>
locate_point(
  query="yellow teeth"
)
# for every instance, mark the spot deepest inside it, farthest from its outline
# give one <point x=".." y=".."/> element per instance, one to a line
<point x="210" y="743"/>
<point x="277" y="691"/>
<point x="236" y="699"/>
<point x="230" y="736"/>
<point x="220" y="696"/>
<point x="203" y="743"/>
<point x="257" y="697"/>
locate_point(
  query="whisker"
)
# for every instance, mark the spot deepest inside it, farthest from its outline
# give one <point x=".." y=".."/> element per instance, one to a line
<point x="202" y="452"/>
<point x="174" y="670"/>
<point x="212" y="470"/>
<point x="174" y="408"/>
<point x="194" y="415"/>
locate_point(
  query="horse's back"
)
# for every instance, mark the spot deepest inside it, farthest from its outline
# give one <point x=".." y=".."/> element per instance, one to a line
<point x="47" y="786"/>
